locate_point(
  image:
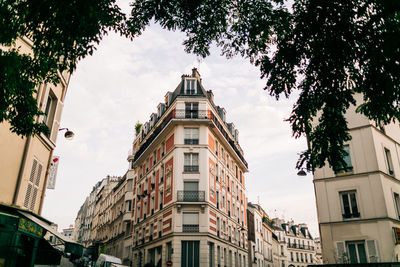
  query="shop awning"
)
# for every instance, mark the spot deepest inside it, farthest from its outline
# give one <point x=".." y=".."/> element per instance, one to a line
<point x="70" y="245"/>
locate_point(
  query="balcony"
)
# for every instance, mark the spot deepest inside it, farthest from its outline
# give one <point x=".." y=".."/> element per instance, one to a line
<point x="191" y="228"/>
<point x="191" y="114"/>
<point x="128" y="195"/>
<point x="191" y="196"/>
<point x="191" y="141"/>
<point x="300" y="246"/>
<point x="191" y="168"/>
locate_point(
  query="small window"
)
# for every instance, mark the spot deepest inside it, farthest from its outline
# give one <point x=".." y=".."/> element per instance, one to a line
<point x="349" y="205"/>
<point x="191" y="162"/>
<point x="191" y="136"/>
<point x="190" y="86"/>
<point x="348" y="166"/>
<point x="190" y="222"/>
<point x="389" y="161"/>
<point x="192" y="110"/>
<point x="397" y="204"/>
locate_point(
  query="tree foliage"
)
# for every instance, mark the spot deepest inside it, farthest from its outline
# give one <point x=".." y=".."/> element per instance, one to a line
<point x="62" y="33"/>
<point x="326" y="50"/>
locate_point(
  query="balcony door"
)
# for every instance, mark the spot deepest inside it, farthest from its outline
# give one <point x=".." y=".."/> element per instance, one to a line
<point x="190" y="256"/>
<point x="190" y="191"/>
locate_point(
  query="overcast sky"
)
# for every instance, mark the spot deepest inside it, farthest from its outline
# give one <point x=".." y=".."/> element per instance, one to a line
<point x="123" y="82"/>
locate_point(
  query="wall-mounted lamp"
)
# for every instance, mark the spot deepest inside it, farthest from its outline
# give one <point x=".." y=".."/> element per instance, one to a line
<point x="68" y="134"/>
<point x="302" y="172"/>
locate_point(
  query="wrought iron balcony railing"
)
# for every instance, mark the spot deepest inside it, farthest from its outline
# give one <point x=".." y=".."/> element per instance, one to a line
<point x="190" y="114"/>
<point x="300" y="246"/>
<point x="191" y="196"/>
<point x="190" y="228"/>
<point x="191" y="168"/>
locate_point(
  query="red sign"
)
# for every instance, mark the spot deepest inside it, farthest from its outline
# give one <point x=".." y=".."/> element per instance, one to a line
<point x="169" y="263"/>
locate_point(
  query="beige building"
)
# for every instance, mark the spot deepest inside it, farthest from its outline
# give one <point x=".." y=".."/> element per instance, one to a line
<point x="358" y="205"/>
<point x="24" y="170"/>
<point x="25" y="162"/>
<point x="189" y="187"/>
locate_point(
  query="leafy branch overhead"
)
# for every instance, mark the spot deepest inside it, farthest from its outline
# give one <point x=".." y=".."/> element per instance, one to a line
<point x="326" y="50"/>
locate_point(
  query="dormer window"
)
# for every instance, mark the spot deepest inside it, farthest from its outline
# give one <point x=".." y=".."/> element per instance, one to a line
<point x="190" y="86"/>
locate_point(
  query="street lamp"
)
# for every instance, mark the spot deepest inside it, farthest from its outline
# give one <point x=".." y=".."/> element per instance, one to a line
<point x="302" y="172"/>
<point x="68" y="134"/>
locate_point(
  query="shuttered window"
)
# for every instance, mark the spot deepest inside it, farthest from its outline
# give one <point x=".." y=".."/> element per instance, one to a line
<point x="33" y="185"/>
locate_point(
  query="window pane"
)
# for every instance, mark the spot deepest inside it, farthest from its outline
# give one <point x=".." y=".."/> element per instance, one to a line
<point x="353" y="253"/>
<point x="195" y="133"/>
<point x="397" y="204"/>
<point x="191" y="186"/>
<point x="347" y="158"/>
<point x="195" y="159"/>
<point x="346" y="205"/>
<point x="190" y="218"/>
<point x="353" y="200"/>
<point x="361" y="253"/>
<point x="187" y="159"/>
<point x="187" y="133"/>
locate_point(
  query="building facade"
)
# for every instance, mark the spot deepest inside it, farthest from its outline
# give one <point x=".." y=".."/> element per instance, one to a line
<point x="358" y="205"/>
<point x="300" y="248"/>
<point x="24" y="169"/>
<point x="189" y="187"/>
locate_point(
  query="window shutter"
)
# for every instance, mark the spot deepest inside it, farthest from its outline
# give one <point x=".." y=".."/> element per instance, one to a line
<point x="372" y="248"/>
<point x="33" y="185"/>
<point x="340" y="249"/>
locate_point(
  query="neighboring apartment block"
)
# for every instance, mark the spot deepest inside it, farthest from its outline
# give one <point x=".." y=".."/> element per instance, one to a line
<point x="189" y="186"/>
<point x="358" y="205"/>
<point x="300" y="248"/>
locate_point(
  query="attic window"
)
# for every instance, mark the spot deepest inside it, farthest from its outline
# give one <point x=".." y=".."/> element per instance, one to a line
<point x="190" y="86"/>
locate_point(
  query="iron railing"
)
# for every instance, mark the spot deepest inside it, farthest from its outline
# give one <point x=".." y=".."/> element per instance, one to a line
<point x="300" y="246"/>
<point x="190" y="114"/>
<point x="191" y="196"/>
<point x="191" y="168"/>
<point x="190" y="228"/>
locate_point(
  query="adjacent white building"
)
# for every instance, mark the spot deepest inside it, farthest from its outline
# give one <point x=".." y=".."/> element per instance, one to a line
<point x="358" y="205"/>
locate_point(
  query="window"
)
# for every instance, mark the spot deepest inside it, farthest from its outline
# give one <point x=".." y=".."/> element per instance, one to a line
<point x="190" y="191"/>
<point x="191" y="136"/>
<point x="50" y="111"/>
<point x="190" y="222"/>
<point x="190" y="86"/>
<point x="211" y="254"/>
<point x="347" y="160"/>
<point x="169" y="251"/>
<point x="397" y="204"/>
<point x="357" y="252"/>
<point x="190" y="254"/>
<point x="349" y="204"/>
<point x="191" y="110"/>
<point x="389" y="161"/>
<point x="191" y="162"/>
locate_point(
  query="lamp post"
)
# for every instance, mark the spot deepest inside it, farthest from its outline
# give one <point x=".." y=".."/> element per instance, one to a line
<point x="69" y="135"/>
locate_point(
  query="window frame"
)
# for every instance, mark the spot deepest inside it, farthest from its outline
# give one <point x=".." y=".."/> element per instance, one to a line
<point x="191" y="132"/>
<point x="191" y="167"/>
<point x="389" y="161"/>
<point x="352" y="213"/>
<point x="190" y="82"/>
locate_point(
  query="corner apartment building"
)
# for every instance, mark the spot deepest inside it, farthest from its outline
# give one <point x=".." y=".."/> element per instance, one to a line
<point x="189" y="204"/>
<point x="358" y="205"/>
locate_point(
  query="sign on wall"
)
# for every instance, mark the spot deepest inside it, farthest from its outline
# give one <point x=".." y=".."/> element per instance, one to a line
<point x="51" y="181"/>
